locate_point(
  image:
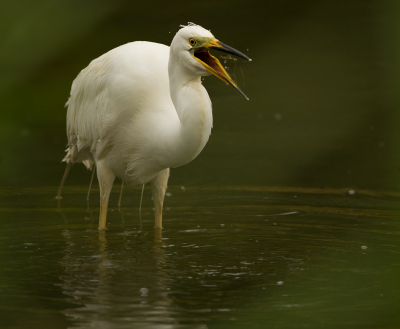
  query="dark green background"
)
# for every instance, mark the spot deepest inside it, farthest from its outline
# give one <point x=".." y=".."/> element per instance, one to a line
<point x="323" y="87"/>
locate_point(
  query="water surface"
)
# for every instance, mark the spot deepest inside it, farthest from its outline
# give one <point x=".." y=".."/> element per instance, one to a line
<point x="232" y="257"/>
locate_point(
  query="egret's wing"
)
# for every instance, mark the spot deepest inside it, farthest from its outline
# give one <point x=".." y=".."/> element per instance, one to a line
<point x="109" y="94"/>
<point x="87" y="106"/>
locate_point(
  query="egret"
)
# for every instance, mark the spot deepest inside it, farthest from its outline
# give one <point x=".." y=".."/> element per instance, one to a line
<point x="141" y="108"/>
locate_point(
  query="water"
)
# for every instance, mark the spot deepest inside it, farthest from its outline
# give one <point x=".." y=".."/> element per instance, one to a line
<point x="231" y="257"/>
<point x="289" y="218"/>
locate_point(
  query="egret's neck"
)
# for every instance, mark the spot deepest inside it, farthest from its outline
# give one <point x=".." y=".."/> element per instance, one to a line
<point x="193" y="107"/>
<point x="179" y="80"/>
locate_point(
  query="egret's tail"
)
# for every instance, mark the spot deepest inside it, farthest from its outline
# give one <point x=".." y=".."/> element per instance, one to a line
<point x="73" y="156"/>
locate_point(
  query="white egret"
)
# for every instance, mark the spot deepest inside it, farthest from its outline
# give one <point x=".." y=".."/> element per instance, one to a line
<point x="141" y="108"/>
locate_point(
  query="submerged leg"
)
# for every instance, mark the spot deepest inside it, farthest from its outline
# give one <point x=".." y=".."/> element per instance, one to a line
<point x="91" y="181"/>
<point x="120" y="194"/>
<point x="106" y="179"/>
<point x="158" y="188"/>
<point x="69" y="164"/>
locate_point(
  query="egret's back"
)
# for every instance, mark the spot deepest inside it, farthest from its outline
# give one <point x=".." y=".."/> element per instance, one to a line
<point x="108" y="99"/>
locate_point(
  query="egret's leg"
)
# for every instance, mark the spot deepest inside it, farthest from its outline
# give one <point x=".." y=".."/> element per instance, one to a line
<point x="106" y="179"/>
<point x="69" y="164"/>
<point x="141" y="199"/>
<point x="120" y="194"/>
<point x="158" y="234"/>
<point x="91" y="181"/>
<point x="158" y="188"/>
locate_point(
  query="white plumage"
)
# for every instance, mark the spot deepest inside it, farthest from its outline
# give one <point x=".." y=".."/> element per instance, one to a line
<point x="141" y="109"/>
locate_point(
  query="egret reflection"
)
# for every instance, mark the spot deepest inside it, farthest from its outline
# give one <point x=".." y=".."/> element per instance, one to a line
<point x="116" y="288"/>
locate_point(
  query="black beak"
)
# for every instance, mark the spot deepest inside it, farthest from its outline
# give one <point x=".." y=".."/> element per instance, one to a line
<point x="226" y="49"/>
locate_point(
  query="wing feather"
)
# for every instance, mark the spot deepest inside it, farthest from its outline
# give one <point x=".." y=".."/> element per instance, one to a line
<point x="107" y="101"/>
<point x="87" y="105"/>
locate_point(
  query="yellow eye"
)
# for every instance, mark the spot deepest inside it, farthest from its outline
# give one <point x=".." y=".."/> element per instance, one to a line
<point x="192" y="42"/>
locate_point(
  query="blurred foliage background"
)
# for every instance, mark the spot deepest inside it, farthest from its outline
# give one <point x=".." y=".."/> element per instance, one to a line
<point x="323" y="87"/>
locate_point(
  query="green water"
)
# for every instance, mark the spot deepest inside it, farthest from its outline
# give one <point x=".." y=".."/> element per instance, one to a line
<point x="289" y="218"/>
<point x="234" y="257"/>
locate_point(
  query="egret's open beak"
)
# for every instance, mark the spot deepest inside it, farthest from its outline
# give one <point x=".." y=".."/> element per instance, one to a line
<point x="214" y="66"/>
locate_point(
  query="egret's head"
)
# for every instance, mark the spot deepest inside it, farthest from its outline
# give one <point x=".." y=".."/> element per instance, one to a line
<point x="193" y="42"/>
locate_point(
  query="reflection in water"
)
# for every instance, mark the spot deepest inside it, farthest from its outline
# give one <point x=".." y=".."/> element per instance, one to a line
<point x="113" y="288"/>
<point x="117" y="278"/>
